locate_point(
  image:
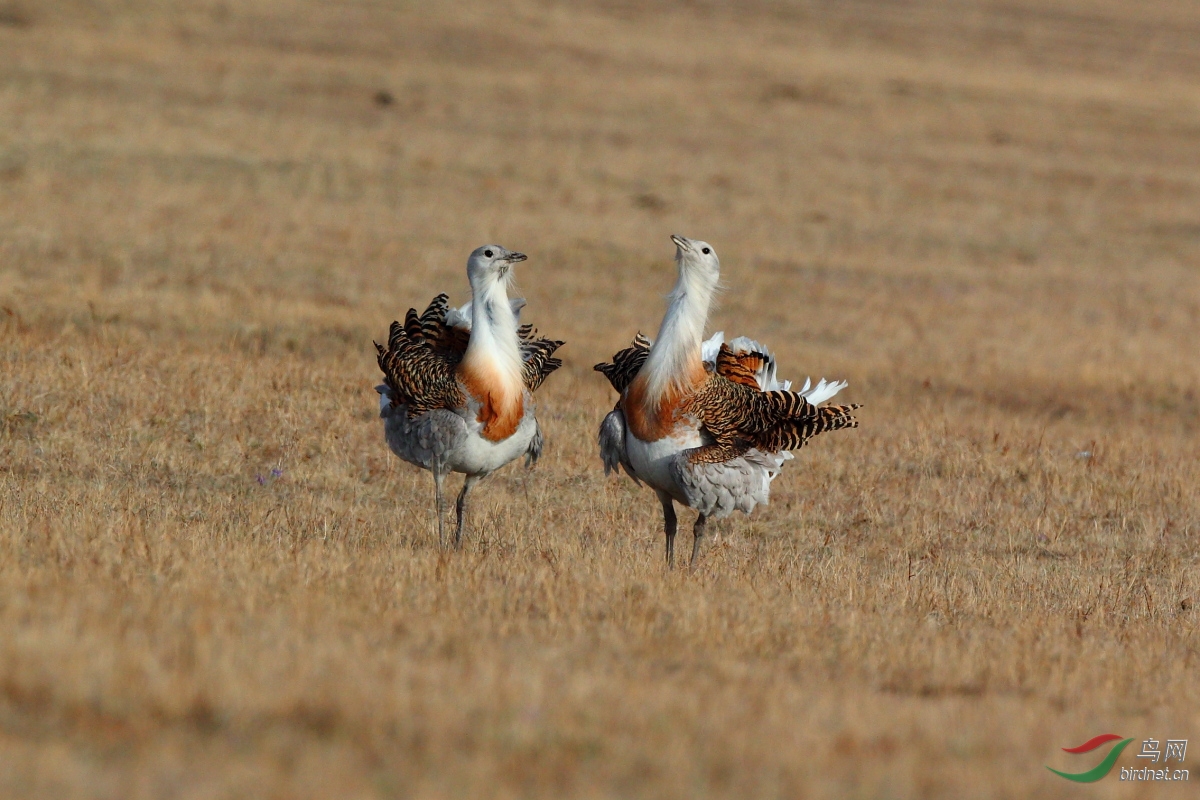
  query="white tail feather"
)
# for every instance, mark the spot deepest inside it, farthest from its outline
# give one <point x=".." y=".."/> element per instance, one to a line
<point x="709" y="349"/>
<point x="822" y="391"/>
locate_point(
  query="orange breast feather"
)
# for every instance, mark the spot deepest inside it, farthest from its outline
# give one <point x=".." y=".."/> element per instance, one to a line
<point x="649" y="420"/>
<point x="501" y="406"/>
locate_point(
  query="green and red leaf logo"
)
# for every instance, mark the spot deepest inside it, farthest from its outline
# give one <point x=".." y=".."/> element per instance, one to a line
<point x="1104" y="767"/>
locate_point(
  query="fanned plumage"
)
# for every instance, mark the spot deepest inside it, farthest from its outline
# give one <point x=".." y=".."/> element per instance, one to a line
<point x="734" y="410"/>
<point x="705" y="423"/>
<point x="458" y="383"/>
<point x="420" y="360"/>
<point x="419" y="373"/>
<point x="740" y="418"/>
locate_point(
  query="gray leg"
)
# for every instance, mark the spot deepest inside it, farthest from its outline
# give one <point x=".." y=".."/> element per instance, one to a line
<point x="669" y="525"/>
<point x="438" y="477"/>
<point x="697" y="535"/>
<point x="461" y="507"/>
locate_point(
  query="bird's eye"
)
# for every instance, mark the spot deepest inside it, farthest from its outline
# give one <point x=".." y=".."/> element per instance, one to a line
<point x="487" y="253"/>
<point x="706" y="251"/>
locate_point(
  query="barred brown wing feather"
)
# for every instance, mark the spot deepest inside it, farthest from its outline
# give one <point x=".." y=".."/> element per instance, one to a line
<point x="437" y="309"/>
<point x="451" y="342"/>
<point x="395" y="333"/>
<point x="448" y="341"/>
<point x="428" y="325"/>
<point x="725" y="408"/>
<point x="626" y="363"/>
<point x="609" y="371"/>
<point x="412" y="326"/>
<point x="419" y="373"/>
<point x="538" y="355"/>
<point x="433" y="318"/>
<point x="739" y="418"/>
<point x="528" y="339"/>
<point x="385" y="357"/>
<point x="740" y="368"/>
<point x="793" y="434"/>
<point x="780" y="406"/>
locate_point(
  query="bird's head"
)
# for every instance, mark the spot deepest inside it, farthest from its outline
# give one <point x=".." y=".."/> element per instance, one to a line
<point x="697" y="259"/>
<point x="490" y="264"/>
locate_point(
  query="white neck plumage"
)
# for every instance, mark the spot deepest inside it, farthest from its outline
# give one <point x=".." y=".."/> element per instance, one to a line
<point x="674" y="359"/>
<point x="494" y="342"/>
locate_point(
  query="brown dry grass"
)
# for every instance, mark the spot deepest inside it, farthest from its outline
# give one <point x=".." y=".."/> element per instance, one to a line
<point x="984" y="216"/>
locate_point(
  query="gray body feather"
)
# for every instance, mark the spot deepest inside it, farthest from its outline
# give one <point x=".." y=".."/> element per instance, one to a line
<point x="442" y="440"/>
<point x="612" y="445"/>
<point x="426" y="441"/>
<point x="717" y="490"/>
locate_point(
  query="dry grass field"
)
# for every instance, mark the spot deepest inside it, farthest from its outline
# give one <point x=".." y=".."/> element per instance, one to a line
<point x="215" y="581"/>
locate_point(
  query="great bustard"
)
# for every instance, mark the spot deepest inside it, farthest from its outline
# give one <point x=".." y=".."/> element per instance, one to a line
<point x="706" y="423"/>
<point x="458" y="383"/>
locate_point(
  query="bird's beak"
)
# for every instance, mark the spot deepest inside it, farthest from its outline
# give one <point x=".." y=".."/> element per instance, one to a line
<point x="507" y="262"/>
<point x="681" y="242"/>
